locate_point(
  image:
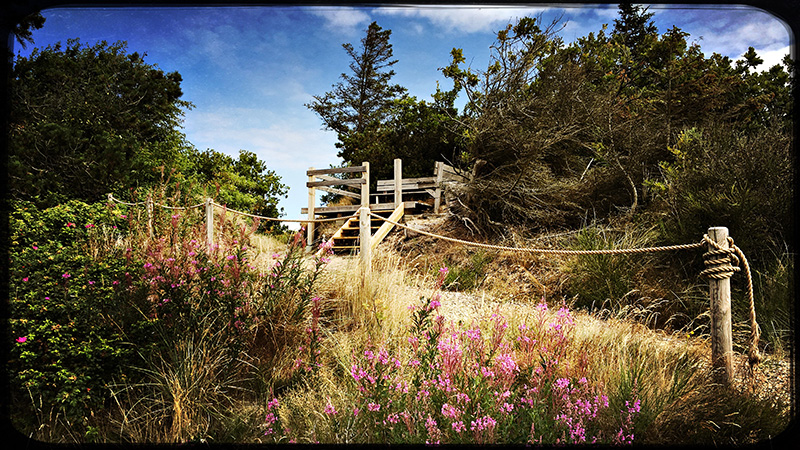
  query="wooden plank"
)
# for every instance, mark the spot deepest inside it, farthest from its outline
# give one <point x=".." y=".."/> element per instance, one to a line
<point x="365" y="185"/>
<point x="406" y="186"/>
<point x="721" y="329"/>
<point x="387" y="227"/>
<point x="353" y="182"/>
<point x="437" y="194"/>
<point x="353" y="169"/>
<point x="398" y="182"/>
<point x="340" y="192"/>
<point x="365" y="235"/>
<point x="408" y="180"/>
<point x="312" y="201"/>
<point x="320" y="210"/>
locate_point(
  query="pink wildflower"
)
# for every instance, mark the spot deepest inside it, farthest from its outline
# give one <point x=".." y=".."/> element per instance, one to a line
<point x="22" y="339"/>
<point x="330" y="409"/>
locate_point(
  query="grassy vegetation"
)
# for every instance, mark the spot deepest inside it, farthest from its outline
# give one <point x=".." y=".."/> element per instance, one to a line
<point x="306" y="350"/>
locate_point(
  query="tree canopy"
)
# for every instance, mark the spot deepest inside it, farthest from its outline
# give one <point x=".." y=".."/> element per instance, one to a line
<point x="377" y="121"/>
<point x="90" y="120"/>
<point x="587" y="130"/>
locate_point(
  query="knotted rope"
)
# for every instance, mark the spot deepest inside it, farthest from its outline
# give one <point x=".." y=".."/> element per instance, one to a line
<point x="722" y="263"/>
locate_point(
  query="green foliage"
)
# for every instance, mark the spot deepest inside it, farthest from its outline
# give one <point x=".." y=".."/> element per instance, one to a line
<point x="89" y="120"/>
<point x="725" y="177"/>
<point x="418" y="132"/>
<point x="361" y="102"/>
<point x="558" y="132"/>
<point x="244" y="184"/>
<point x="468" y="275"/>
<point x="71" y="283"/>
<point x="86" y="121"/>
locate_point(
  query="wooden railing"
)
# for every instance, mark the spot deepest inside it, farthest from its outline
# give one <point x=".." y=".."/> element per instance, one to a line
<point x="322" y="179"/>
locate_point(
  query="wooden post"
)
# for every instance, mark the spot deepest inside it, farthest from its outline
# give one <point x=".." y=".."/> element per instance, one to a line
<point x="365" y="186"/>
<point x="312" y="200"/>
<point x="721" y="333"/>
<point x="438" y="168"/>
<point x="149" y="203"/>
<point x="209" y="222"/>
<point x="398" y="182"/>
<point x="364" y="237"/>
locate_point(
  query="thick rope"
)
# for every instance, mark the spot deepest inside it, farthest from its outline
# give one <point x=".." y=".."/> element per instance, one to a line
<point x="551" y="251"/>
<point x="282" y="220"/>
<point x="722" y="263"/>
<point x="111" y="197"/>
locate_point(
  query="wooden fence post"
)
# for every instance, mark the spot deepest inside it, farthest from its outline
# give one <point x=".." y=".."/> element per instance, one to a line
<point x="398" y="182"/>
<point x="365" y="186"/>
<point x="364" y="236"/>
<point x="721" y="332"/>
<point x="312" y="200"/>
<point x="438" y="168"/>
<point x="209" y="222"/>
<point x="149" y="203"/>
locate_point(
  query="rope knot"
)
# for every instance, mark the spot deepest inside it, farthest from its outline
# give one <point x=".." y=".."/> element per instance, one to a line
<point x="720" y="263"/>
<point x="723" y="263"/>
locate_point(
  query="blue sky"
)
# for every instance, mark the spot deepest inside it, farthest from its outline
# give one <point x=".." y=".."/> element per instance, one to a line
<point x="250" y="70"/>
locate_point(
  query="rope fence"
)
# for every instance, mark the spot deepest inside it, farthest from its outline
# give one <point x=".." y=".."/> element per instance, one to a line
<point x="722" y="259"/>
<point x="241" y="213"/>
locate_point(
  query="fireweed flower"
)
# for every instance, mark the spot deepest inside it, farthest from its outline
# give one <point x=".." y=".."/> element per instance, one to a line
<point x="22" y="339"/>
<point x="66" y="275"/>
<point x="450" y="411"/>
<point x="330" y="409"/>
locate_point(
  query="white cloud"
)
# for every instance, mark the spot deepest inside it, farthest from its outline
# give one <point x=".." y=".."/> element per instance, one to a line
<point x="737" y="29"/>
<point x="772" y="57"/>
<point x="289" y="143"/>
<point x="463" y="19"/>
<point x="345" y="20"/>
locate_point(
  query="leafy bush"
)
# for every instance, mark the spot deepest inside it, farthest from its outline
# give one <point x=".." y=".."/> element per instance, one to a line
<point x="722" y="177"/>
<point x="70" y="283"/>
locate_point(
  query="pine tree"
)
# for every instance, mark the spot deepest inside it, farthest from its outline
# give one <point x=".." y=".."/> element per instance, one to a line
<point x="358" y="105"/>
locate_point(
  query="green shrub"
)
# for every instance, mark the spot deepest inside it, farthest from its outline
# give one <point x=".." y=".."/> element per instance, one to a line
<point x="70" y="278"/>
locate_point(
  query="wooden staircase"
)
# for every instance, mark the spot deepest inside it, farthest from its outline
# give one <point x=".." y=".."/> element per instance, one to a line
<point x="346" y="239"/>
